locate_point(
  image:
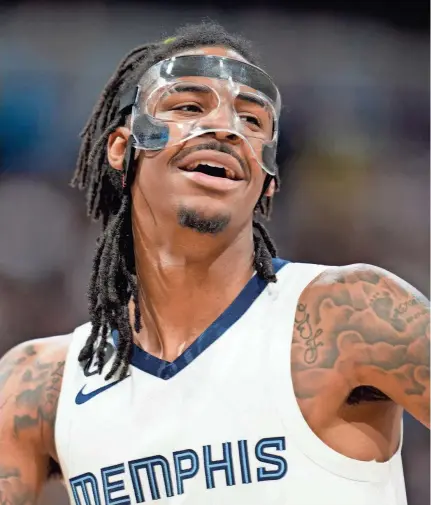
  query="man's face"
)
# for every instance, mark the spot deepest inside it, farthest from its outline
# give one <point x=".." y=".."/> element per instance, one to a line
<point x="167" y="186"/>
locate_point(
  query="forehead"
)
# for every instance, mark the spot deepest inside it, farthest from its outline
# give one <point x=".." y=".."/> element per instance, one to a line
<point x="213" y="51"/>
<point x="216" y="66"/>
<point x="205" y="85"/>
<point x="208" y="90"/>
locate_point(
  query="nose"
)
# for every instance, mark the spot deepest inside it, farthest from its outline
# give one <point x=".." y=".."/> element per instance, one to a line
<point x="223" y="121"/>
<point x="224" y="136"/>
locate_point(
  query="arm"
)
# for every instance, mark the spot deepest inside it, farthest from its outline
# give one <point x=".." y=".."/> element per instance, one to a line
<point x="360" y="325"/>
<point x="30" y="380"/>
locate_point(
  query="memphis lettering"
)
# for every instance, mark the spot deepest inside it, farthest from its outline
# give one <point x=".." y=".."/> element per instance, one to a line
<point x="154" y="477"/>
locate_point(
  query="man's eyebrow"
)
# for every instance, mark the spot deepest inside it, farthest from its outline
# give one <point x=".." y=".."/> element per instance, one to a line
<point x="189" y="88"/>
<point x="252" y="99"/>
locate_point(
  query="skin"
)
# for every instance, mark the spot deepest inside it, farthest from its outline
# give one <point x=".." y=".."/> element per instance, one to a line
<point x="355" y="326"/>
<point x="179" y="269"/>
<point x="30" y="382"/>
<point x="360" y="325"/>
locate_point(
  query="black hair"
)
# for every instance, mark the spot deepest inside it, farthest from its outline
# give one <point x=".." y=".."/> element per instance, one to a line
<point x="113" y="280"/>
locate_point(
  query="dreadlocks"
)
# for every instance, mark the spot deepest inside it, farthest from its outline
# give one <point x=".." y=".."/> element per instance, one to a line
<point x="113" y="281"/>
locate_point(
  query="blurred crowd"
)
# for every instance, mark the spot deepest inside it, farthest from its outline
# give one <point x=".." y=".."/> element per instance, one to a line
<point x="355" y="144"/>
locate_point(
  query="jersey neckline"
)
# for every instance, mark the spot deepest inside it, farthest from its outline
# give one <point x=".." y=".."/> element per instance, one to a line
<point x="165" y="369"/>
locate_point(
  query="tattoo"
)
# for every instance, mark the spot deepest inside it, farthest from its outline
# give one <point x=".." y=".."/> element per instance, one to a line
<point x="43" y="383"/>
<point x="13" y="491"/>
<point x="405" y="309"/>
<point x="8" y="368"/>
<point x="30" y="388"/>
<point x="374" y="332"/>
<point x="306" y="333"/>
<point x="384" y="306"/>
<point x="30" y="382"/>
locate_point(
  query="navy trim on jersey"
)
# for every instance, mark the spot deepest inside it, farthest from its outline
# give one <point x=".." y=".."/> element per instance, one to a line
<point x="165" y="369"/>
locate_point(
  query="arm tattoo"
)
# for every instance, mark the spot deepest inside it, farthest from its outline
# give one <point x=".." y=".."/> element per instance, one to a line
<point x="30" y="382"/>
<point x="306" y="333"/>
<point x="8" y="368"/>
<point x="40" y="397"/>
<point x="12" y="490"/>
<point x="33" y="397"/>
<point x="368" y="328"/>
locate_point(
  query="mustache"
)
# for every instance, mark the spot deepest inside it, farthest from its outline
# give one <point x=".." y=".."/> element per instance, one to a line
<point x="214" y="145"/>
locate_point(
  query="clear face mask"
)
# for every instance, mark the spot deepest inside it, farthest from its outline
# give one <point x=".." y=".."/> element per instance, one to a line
<point x="188" y="96"/>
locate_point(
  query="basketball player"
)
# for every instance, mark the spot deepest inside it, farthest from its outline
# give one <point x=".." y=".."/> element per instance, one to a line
<point x="212" y="372"/>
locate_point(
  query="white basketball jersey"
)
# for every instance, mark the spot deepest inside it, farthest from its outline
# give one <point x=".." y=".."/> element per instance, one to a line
<point x="218" y="426"/>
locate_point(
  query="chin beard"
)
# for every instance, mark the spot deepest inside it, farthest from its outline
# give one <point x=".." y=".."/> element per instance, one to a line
<point x="190" y="218"/>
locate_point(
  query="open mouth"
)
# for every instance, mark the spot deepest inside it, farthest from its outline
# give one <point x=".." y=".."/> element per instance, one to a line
<point x="210" y="168"/>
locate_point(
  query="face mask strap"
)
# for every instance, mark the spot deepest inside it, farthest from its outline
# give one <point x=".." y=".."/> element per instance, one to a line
<point x="127" y="173"/>
<point x="219" y="67"/>
<point x="266" y="184"/>
<point x="127" y="100"/>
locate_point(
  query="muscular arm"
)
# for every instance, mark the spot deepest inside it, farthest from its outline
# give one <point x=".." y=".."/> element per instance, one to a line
<point x="30" y="380"/>
<point x="362" y="326"/>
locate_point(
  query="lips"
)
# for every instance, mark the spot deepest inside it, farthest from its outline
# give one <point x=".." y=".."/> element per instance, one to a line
<point x="215" y="160"/>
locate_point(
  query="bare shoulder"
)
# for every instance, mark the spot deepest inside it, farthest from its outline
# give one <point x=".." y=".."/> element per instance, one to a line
<point x="30" y="380"/>
<point x="360" y="325"/>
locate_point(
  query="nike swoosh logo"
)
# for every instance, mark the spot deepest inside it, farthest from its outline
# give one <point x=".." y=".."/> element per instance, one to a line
<point x="82" y="397"/>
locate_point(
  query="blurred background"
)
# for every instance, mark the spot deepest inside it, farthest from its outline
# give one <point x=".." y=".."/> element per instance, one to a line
<point x="355" y="143"/>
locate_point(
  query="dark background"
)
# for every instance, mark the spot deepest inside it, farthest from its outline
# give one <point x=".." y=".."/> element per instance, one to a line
<point x="355" y="83"/>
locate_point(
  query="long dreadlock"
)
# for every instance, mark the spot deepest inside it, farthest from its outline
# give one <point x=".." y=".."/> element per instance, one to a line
<point x="113" y="280"/>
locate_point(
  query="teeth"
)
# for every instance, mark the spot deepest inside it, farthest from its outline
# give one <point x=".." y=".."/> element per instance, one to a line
<point x="195" y="164"/>
<point x="230" y="174"/>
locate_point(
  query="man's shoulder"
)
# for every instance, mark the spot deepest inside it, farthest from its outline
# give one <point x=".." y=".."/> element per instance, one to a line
<point x="31" y="375"/>
<point x="360" y="325"/>
<point x="332" y="321"/>
<point x="31" y="351"/>
<point x="333" y="275"/>
<point x="362" y="286"/>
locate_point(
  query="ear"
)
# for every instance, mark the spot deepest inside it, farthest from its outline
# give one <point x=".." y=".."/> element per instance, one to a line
<point x="117" y="143"/>
<point x="271" y="189"/>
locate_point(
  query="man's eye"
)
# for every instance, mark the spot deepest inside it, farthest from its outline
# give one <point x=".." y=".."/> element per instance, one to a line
<point x="188" y="108"/>
<point x="251" y="119"/>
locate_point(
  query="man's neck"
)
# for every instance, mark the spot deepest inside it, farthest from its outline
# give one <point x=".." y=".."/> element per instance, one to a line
<point x="183" y="289"/>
